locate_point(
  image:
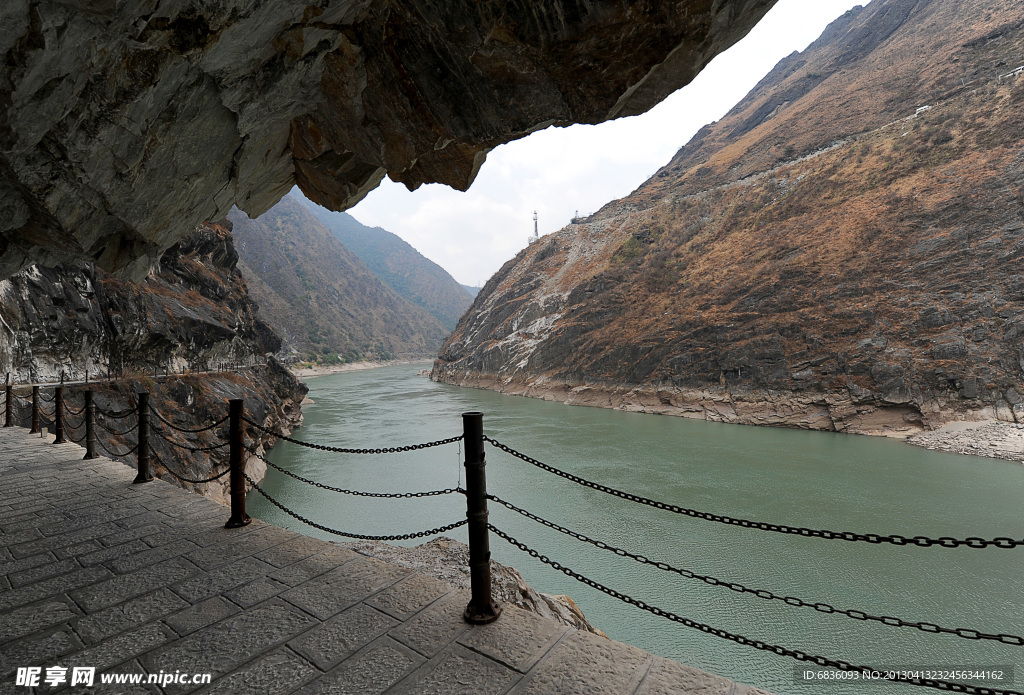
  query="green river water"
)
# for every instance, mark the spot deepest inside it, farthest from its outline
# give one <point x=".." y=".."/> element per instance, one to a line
<point x="813" y="479"/>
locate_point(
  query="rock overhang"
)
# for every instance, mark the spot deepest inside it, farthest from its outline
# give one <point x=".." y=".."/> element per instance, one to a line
<point x="125" y="123"/>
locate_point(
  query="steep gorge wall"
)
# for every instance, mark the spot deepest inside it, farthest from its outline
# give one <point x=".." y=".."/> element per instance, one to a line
<point x="828" y="257"/>
<point x="191" y="313"/>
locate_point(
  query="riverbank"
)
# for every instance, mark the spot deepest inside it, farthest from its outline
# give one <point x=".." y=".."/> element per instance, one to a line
<point x="974" y="433"/>
<point x="324" y="370"/>
<point x="991" y="438"/>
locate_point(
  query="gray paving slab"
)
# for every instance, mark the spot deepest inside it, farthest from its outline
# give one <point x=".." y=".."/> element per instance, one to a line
<point x="145" y="580"/>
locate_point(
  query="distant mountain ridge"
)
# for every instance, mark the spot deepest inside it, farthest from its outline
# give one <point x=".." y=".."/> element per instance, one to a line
<point x="400" y="266"/>
<point x="841" y="251"/>
<point x="320" y="297"/>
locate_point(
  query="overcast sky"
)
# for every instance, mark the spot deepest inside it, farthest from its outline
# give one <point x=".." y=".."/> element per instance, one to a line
<point x="561" y="170"/>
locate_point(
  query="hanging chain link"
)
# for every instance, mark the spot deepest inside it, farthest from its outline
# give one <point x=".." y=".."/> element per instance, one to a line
<point x="965" y="633"/>
<point x="119" y="415"/>
<point x="115" y="455"/>
<point x="183" y="478"/>
<point x="175" y="444"/>
<point x="386" y="495"/>
<point x="894" y="539"/>
<point x="327" y="529"/>
<point x="115" y="432"/>
<point x="185" y="429"/>
<point x="338" y="450"/>
<point x="71" y="411"/>
<point x="746" y="641"/>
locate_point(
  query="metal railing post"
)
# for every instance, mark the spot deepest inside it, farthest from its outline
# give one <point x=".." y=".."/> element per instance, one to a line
<point x="90" y="426"/>
<point x="58" y="414"/>
<point x="482" y="609"/>
<point x="142" y="452"/>
<point x="236" y="408"/>
<point x="9" y="404"/>
<point x="35" y="411"/>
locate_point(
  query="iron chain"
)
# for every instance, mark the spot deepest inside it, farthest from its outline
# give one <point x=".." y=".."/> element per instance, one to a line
<point x="71" y="411"/>
<point x="965" y="633"/>
<point x="327" y="529"/>
<point x="894" y="539"/>
<point x="44" y="399"/>
<point x="186" y="446"/>
<point x="185" y="429"/>
<point x="120" y="415"/>
<point x="338" y="450"/>
<point x="183" y="478"/>
<point x="740" y="639"/>
<point x="115" y="432"/>
<point x="111" y="453"/>
<point x="386" y="495"/>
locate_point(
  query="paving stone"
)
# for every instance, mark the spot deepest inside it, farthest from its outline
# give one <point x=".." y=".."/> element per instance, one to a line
<point x="105" y="554"/>
<point x="36" y="650"/>
<point x="128" y="586"/>
<point x="22" y="536"/>
<point x="11" y="566"/>
<point x="77" y="549"/>
<point x="669" y="677"/>
<point x="51" y="587"/>
<point x="435" y="627"/>
<point x="370" y="672"/>
<point x="585" y="664"/>
<point x="518" y="638"/>
<point x="133" y="533"/>
<point x="130" y="614"/>
<point x="314" y="566"/>
<point x="201" y="614"/>
<point x="279" y="672"/>
<point x="409" y="595"/>
<point x="50" y="569"/>
<point x="291" y="551"/>
<point x="459" y="671"/>
<point x="342" y="635"/>
<point x="350" y="583"/>
<point x="249" y="544"/>
<point x="62" y="541"/>
<point x="123" y="647"/>
<point x="221" y="579"/>
<point x="255" y="592"/>
<point x="224" y="646"/>
<point x="149" y="556"/>
<point x="25" y="621"/>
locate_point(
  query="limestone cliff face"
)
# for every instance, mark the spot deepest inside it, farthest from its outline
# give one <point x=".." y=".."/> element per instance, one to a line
<point x="124" y="123"/>
<point x="841" y="251"/>
<point x="192" y="312"/>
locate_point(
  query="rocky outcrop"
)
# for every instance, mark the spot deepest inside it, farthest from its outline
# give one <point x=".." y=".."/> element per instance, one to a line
<point x="840" y="252"/>
<point x="191" y="314"/>
<point x="123" y="125"/>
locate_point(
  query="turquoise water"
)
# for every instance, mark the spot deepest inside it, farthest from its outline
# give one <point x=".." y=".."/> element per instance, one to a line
<point x="814" y="479"/>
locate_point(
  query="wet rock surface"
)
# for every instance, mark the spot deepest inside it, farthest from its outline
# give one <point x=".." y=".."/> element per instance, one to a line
<point x="123" y="125"/>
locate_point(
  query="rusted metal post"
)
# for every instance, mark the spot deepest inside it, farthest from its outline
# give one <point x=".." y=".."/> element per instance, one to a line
<point x="236" y="407"/>
<point x="482" y="609"/>
<point x="58" y="413"/>
<point x="9" y="403"/>
<point x="142" y="452"/>
<point x="35" y="411"/>
<point x="90" y="426"/>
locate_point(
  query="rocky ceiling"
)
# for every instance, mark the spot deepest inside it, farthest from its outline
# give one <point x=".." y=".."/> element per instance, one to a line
<point x="124" y="123"/>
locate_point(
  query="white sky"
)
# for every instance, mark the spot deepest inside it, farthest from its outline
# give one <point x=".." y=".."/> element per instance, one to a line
<point x="561" y="170"/>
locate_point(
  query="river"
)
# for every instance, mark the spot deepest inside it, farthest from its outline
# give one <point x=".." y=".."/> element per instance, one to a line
<point x="813" y="479"/>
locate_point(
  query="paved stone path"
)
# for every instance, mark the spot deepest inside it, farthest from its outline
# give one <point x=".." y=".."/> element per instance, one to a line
<point x="139" y="579"/>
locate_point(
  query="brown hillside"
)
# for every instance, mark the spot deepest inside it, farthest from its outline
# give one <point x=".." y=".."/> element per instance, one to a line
<point x="827" y="255"/>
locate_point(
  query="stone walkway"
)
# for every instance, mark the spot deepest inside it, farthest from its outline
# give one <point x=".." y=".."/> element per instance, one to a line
<point x="144" y="579"/>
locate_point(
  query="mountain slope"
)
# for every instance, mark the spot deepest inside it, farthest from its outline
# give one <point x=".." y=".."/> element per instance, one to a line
<point x="398" y="265"/>
<point x="831" y="254"/>
<point x="322" y="299"/>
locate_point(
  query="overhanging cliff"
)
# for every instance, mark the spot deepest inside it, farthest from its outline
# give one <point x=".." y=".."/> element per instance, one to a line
<point x="125" y="123"/>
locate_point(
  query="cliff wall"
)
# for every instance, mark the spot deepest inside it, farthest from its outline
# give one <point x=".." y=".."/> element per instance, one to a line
<point x="841" y="251"/>
<point x="192" y="313"/>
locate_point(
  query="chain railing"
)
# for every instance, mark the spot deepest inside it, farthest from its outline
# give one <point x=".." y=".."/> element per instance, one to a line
<point x="482" y="608"/>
